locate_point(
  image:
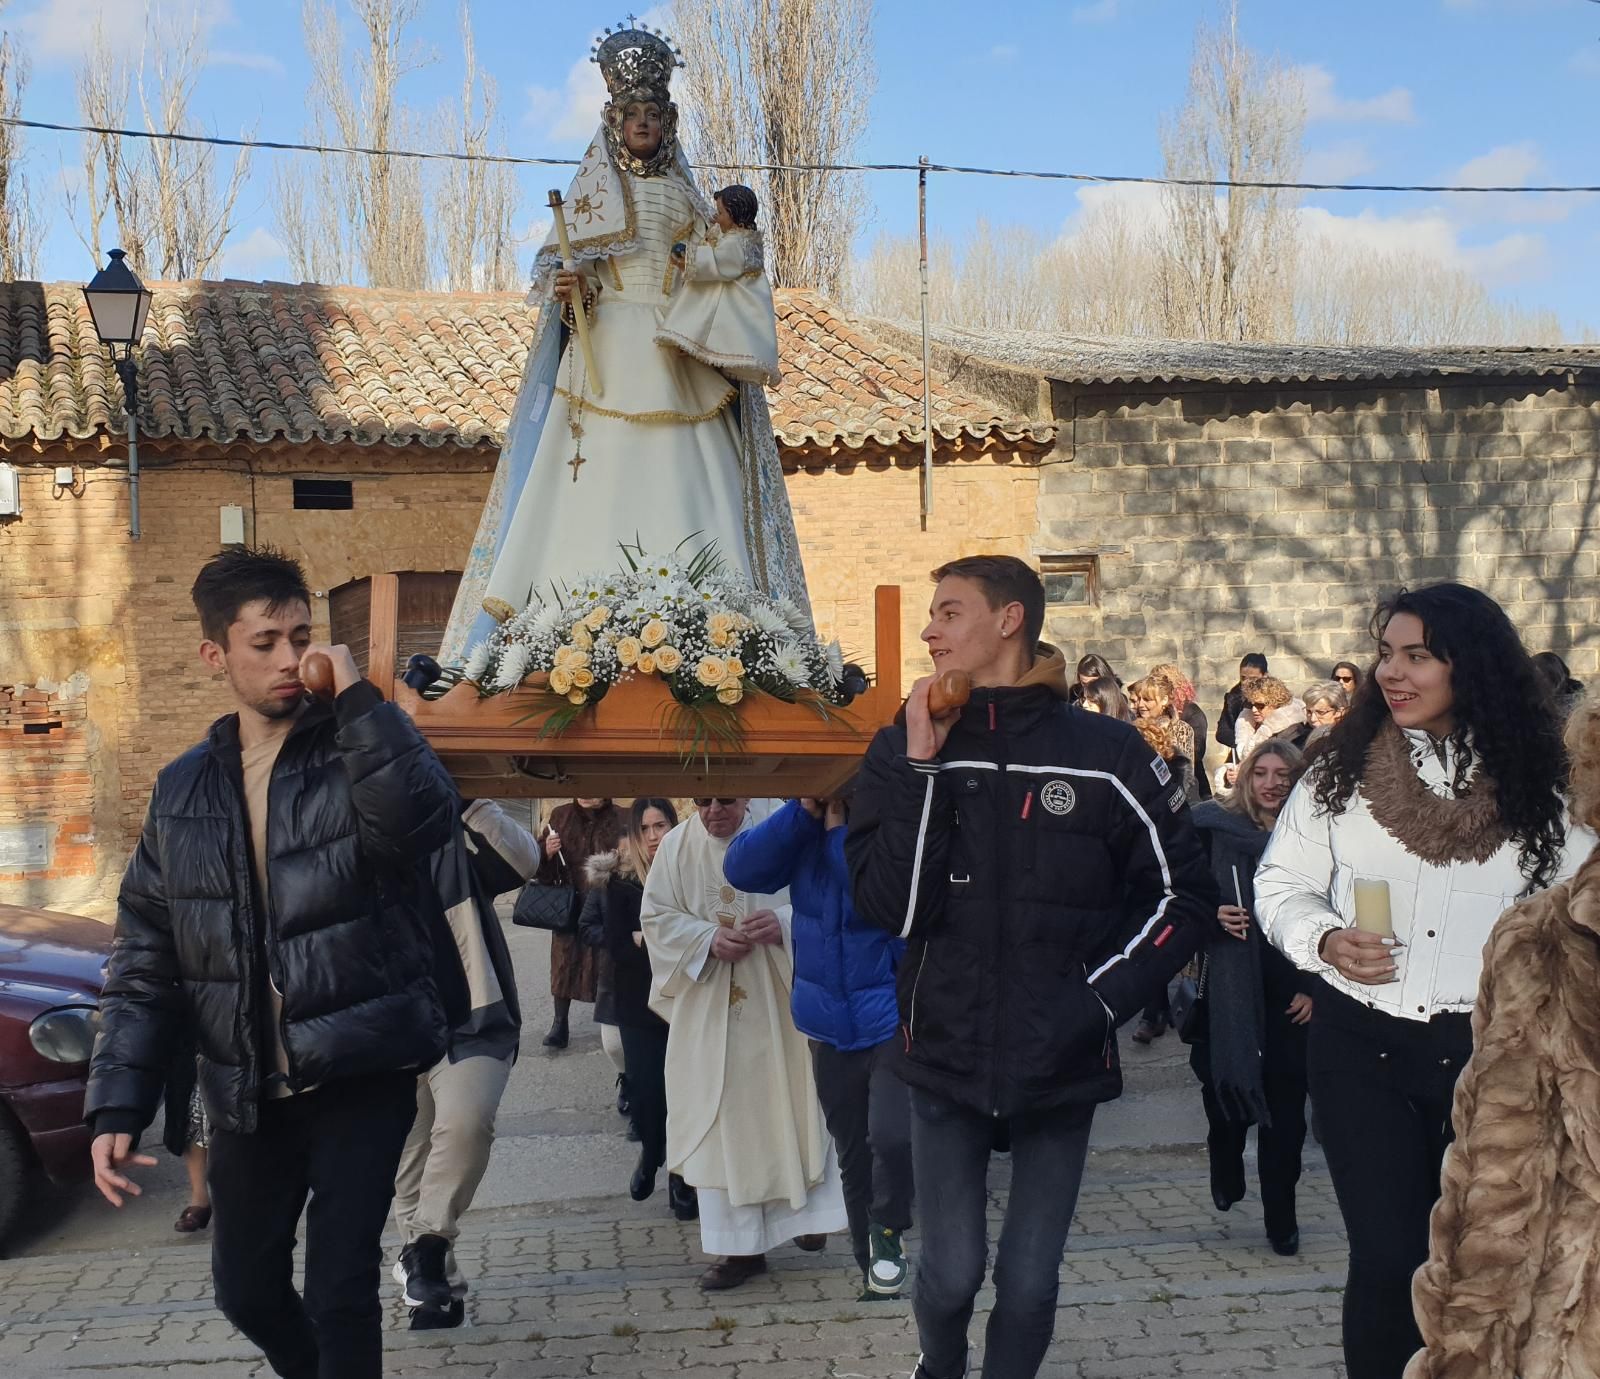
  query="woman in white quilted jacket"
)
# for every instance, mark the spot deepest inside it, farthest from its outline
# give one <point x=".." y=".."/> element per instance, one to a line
<point x="1444" y="782"/>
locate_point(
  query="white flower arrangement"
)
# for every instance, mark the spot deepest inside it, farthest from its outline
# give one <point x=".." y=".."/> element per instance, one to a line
<point x="710" y="636"/>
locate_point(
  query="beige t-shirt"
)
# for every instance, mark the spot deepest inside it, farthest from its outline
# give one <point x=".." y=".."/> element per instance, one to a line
<point x="258" y="762"/>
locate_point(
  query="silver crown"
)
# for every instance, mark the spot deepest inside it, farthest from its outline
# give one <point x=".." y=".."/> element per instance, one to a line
<point x="636" y="61"/>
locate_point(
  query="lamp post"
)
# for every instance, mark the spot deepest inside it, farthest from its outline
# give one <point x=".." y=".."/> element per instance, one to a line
<point x="120" y="305"/>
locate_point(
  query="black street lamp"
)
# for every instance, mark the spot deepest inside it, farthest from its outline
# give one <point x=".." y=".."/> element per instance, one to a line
<point x="120" y="305"/>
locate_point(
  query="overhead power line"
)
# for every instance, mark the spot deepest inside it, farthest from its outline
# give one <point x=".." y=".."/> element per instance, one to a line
<point x="513" y="160"/>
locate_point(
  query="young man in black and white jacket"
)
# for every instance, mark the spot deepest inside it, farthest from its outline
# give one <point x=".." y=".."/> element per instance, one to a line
<point x="1041" y="863"/>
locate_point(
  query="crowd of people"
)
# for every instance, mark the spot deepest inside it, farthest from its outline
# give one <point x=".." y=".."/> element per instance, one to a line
<point x="828" y="1014"/>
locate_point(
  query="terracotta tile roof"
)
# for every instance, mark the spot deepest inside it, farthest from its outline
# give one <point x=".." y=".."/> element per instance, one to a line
<point x="267" y="362"/>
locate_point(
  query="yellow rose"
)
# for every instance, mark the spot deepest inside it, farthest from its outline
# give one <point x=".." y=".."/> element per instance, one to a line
<point x="655" y="632"/>
<point x="712" y="670"/>
<point x="577" y="660"/>
<point x="720" y="636"/>
<point x="720" y="622"/>
<point x="646" y="664"/>
<point x="668" y="659"/>
<point x="561" y="680"/>
<point x="581" y="637"/>
<point x="735" y="667"/>
<point x="582" y="678"/>
<point x="629" y="650"/>
<point x="577" y="696"/>
<point x="597" y="618"/>
<point x="563" y="658"/>
<point x="730" y="693"/>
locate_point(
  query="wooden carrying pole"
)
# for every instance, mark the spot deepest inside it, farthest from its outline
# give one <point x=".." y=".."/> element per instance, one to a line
<point x="579" y="318"/>
<point x="927" y="377"/>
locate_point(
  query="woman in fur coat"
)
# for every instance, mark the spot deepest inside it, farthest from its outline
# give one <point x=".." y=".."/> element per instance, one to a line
<point x="1510" y="1288"/>
<point x="1439" y="795"/>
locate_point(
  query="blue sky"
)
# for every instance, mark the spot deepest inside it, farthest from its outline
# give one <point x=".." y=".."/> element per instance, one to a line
<point x="1506" y="91"/>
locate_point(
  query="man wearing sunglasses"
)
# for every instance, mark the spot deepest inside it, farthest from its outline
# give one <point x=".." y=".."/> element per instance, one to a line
<point x="745" y="1127"/>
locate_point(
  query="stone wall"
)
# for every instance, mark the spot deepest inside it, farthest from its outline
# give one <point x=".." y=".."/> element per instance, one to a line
<point x="1272" y="518"/>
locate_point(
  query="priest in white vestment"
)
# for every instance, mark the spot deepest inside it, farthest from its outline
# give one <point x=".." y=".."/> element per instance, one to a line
<point x="743" y="1122"/>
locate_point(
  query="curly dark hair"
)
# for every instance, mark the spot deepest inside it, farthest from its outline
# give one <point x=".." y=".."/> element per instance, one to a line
<point x="741" y="205"/>
<point x="1499" y="715"/>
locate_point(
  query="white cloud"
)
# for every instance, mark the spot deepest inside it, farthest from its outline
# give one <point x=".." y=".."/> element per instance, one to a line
<point x="63" y="30"/>
<point x="1323" y="101"/>
<point x="257" y="62"/>
<point x="1586" y="61"/>
<point x="1511" y="165"/>
<point x="1435" y="236"/>
<point x="1343" y="162"/>
<point x="1100" y="12"/>
<point x="259" y="254"/>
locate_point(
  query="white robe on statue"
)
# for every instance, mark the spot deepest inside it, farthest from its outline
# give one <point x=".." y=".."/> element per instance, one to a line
<point x="660" y="446"/>
<point x="743" y="1122"/>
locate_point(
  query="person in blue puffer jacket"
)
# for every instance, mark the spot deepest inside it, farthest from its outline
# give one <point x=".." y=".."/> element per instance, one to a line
<point x="844" y="1002"/>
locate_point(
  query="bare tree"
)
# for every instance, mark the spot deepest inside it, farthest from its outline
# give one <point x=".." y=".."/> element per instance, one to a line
<point x="171" y="211"/>
<point x="475" y="204"/>
<point x="358" y="213"/>
<point x="19" y="225"/>
<point x="784" y="82"/>
<point x="1229" y="260"/>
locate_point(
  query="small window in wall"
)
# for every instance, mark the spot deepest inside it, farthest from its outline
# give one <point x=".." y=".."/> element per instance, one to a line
<point x="1070" y="581"/>
<point x="323" y="493"/>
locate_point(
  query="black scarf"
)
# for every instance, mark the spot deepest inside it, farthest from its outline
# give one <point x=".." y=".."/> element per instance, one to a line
<point x="1235" y="993"/>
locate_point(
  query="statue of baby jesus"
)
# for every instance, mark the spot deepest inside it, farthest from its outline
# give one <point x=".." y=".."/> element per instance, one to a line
<point x="722" y="314"/>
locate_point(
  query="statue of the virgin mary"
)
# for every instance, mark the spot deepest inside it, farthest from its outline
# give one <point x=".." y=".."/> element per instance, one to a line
<point x="660" y="448"/>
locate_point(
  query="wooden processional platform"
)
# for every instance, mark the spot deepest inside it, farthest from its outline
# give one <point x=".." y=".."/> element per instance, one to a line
<point x="626" y="744"/>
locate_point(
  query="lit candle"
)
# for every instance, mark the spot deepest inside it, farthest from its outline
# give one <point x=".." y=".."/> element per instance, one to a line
<point x="1372" y="908"/>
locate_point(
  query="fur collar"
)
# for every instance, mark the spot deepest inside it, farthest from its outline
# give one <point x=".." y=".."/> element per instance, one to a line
<point x="601" y="867"/>
<point x="1438" y="830"/>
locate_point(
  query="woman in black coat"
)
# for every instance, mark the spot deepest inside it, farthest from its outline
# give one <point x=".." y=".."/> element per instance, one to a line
<point x="610" y="923"/>
<point x="1250" y="1051"/>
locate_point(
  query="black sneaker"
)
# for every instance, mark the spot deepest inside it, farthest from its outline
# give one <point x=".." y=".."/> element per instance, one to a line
<point x="426" y="1282"/>
<point x="886" y="1273"/>
<point x="438" y="1318"/>
<point x="683" y="1199"/>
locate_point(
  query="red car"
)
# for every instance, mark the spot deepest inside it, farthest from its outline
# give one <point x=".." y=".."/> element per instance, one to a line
<point x="52" y="967"/>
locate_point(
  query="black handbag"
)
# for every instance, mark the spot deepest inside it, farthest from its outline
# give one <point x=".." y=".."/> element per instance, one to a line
<point x="549" y="905"/>
<point x="1189" y="1016"/>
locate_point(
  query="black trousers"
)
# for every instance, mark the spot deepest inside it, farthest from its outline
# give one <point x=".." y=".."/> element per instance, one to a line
<point x="644" y="1055"/>
<point x="1279" y="1145"/>
<point x="340" y="1146"/>
<point x="951" y="1145"/>
<point x="1383" y="1087"/>
<point x="868" y="1111"/>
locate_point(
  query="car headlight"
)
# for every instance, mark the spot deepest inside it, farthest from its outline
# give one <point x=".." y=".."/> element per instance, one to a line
<point x="65" y="1035"/>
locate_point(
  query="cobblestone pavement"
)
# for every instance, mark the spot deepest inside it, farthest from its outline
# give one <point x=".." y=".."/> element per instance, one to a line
<point x="1155" y="1283"/>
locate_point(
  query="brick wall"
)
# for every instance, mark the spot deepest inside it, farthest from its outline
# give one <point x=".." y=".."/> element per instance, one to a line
<point x="1271" y="519"/>
<point x="46" y="786"/>
<point x="79" y="598"/>
<point x="860" y="527"/>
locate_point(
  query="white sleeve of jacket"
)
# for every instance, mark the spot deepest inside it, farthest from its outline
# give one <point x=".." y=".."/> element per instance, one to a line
<point x="505" y="835"/>
<point x="1294" y="880"/>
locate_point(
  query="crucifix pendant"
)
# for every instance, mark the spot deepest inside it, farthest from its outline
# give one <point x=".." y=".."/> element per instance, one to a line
<point x="573" y="464"/>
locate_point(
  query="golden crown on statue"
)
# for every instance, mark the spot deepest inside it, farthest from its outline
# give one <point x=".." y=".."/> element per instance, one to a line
<point x="636" y="62"/>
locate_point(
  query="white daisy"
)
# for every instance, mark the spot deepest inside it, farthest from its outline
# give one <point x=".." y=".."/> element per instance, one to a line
<point x="789" y="660"/>
<point x="833" y="653"/>
<point x="477" y="663"/>
<point x="770" y="620"/>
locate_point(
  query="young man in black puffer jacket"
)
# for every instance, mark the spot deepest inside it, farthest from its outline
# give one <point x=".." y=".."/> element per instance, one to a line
<point x="1041" y="863"/>
<point x="277" y="907"/>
